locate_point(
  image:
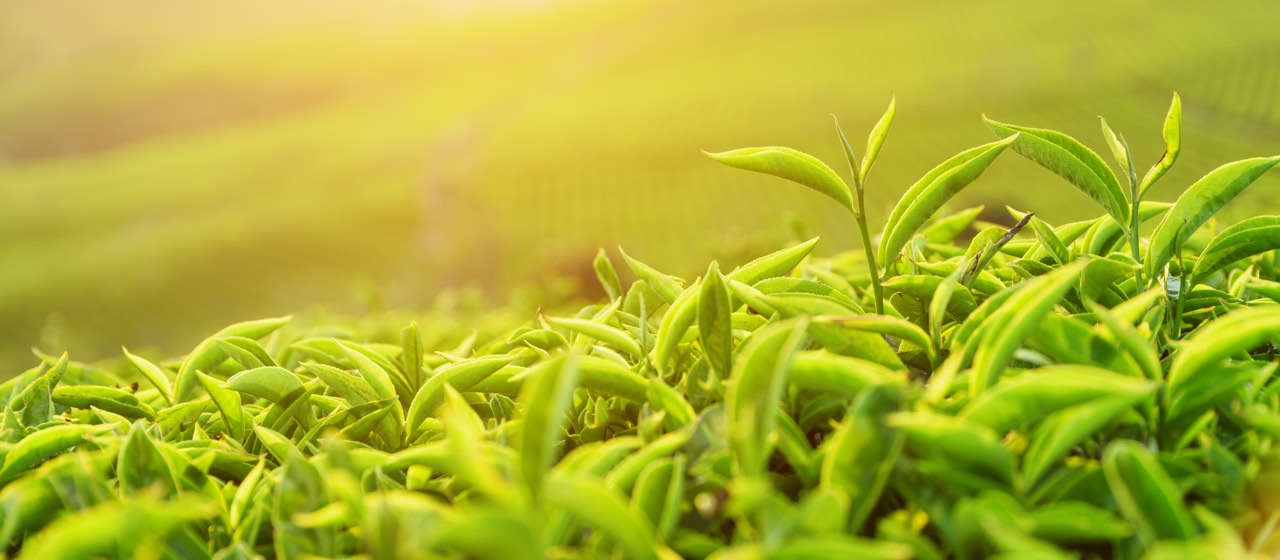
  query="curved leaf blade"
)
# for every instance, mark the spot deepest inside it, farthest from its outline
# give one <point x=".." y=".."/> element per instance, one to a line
<point x="1071" y="160"/>
<point x="1200" y="201"/>
<point x="792" y="165"/>
<point x="1241" y="240"/>
<point x="931" y="192"/>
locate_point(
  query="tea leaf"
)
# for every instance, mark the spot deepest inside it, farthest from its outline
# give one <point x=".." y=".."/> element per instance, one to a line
<point x="546" y="398"/>
<point x="603" y="509"/>
<point x="270" y="383"/>
<point x="1227" y="336"/>
<point x="970" y="446"/>
<point x="411" y="355"/>
<point x="792" y="165"/>
<point x="1006" y="330"/>
<point x="158" y="378"/>
<point x="105" y="398"/>
<point x="1145" y="494"/>
<point x="602" y="332"/>
<point x="117" y="529"/>
<point x="715" y="328"/>
<point x="43" y="444"/>
<point x="607" y="276"/>
<point x="1172" y="145"/>
<point x="1071" y="160"/>
<point x="840" y="546"/>
<point x="1200" y="201"/>
<point x="885" y="325"/>
<point x="1243" y="239"/>
<point x="462" y="376"/>
<point x="207" y="355"/>
<point x="931" y="192"/>
<point x="1064" y="429"/>
<point x="1119" y="149"/>
<point x="774" y="264"/>
<point x="759" y="376"/>
<point x="228" y="403"/>
<point x="664" y="285"/>
<point x="680" y="316"/>
<point x="876" y="139"/>
<point x="1077" y="522"/>
<point x="945" y="230"/>
<point x="1034" y="395"/>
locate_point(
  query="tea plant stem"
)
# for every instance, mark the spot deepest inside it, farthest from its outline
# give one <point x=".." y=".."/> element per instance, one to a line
<point x="872" y="268"/>
<point x="1135" y="237"/>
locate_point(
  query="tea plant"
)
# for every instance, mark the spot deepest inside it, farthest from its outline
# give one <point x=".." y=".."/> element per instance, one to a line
<point x="1040" y="391"/>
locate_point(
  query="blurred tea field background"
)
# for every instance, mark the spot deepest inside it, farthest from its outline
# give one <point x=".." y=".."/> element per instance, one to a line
<point x="167" y="167"/>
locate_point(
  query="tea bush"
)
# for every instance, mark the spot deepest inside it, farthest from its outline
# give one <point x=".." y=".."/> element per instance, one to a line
<point x="1040" y="391"/>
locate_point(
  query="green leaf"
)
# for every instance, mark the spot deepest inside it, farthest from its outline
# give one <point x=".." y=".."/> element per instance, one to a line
<point x="1145" y="494"/>
<point x="546" y="397"/>
<point x="1072" y="522"/>
<point x="1050" y="241"/>
<point x="675" y="323"/>
<point x="247" y="351"/>
<point x="474" y="535"/>
<point x="839" y="546"/>
<point x="1172" y="145"/>
<point x="377" y="376"/>
<point x="946" y="229"/>
<point x="1064" y="429"/>
<point x="115" y="529"/>
<point x="1200" y="201"/>
<point x="1220" y="339"/>
<point x="158" y="378"/>
<point x="611" y="379"/>
<point x="604" y="509"/>
<point x="759" y="376"/>
<point x="659" y="493"/>
<point x="110" y="399"/>
<point x="140" y="464"/>
<point x="1029" y="397"/>
<point x="775" y="264"/>
<point x="715" y="328"/>
<point x="666" y="286"/>
<point x="280" y="447"/>
<point x="607" y="276"/>
<point x="270" y="383"/>
<point x="931" y="192"/>
<point x="969" y="446"/>
<point x="301" y="489"/>
<point x="26" y="506"/>
<point x="623" y="477"/>
<point x="884" y="325"/>
<point x="875" y="140"/>
<point x="43" y="444"/>
<point x="228" y="403"/>
<point x="244" y="494"/>
<point x="207" y="355"/>
<point x="1007" y="328"/>
<point x="1071" y="160"/>
<point x="845" y="376"/>
<point x="860" y="455"/>
<point x="1119" y="149"/>
<point x="34" y="402"/>
<point x="1243" y="239"/>
<point x="411" y="354"/>
<point x="921" y="287"/>
<point x="602" y="332"/>
<point x="792" y="165"/>
<point x="462" y="376"/>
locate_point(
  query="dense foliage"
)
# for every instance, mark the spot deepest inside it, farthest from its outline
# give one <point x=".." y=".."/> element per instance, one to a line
<point x="1083" y="391"/>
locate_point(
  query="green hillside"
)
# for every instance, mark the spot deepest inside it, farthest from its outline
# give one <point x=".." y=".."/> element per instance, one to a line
<point x="168" y="169"/>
